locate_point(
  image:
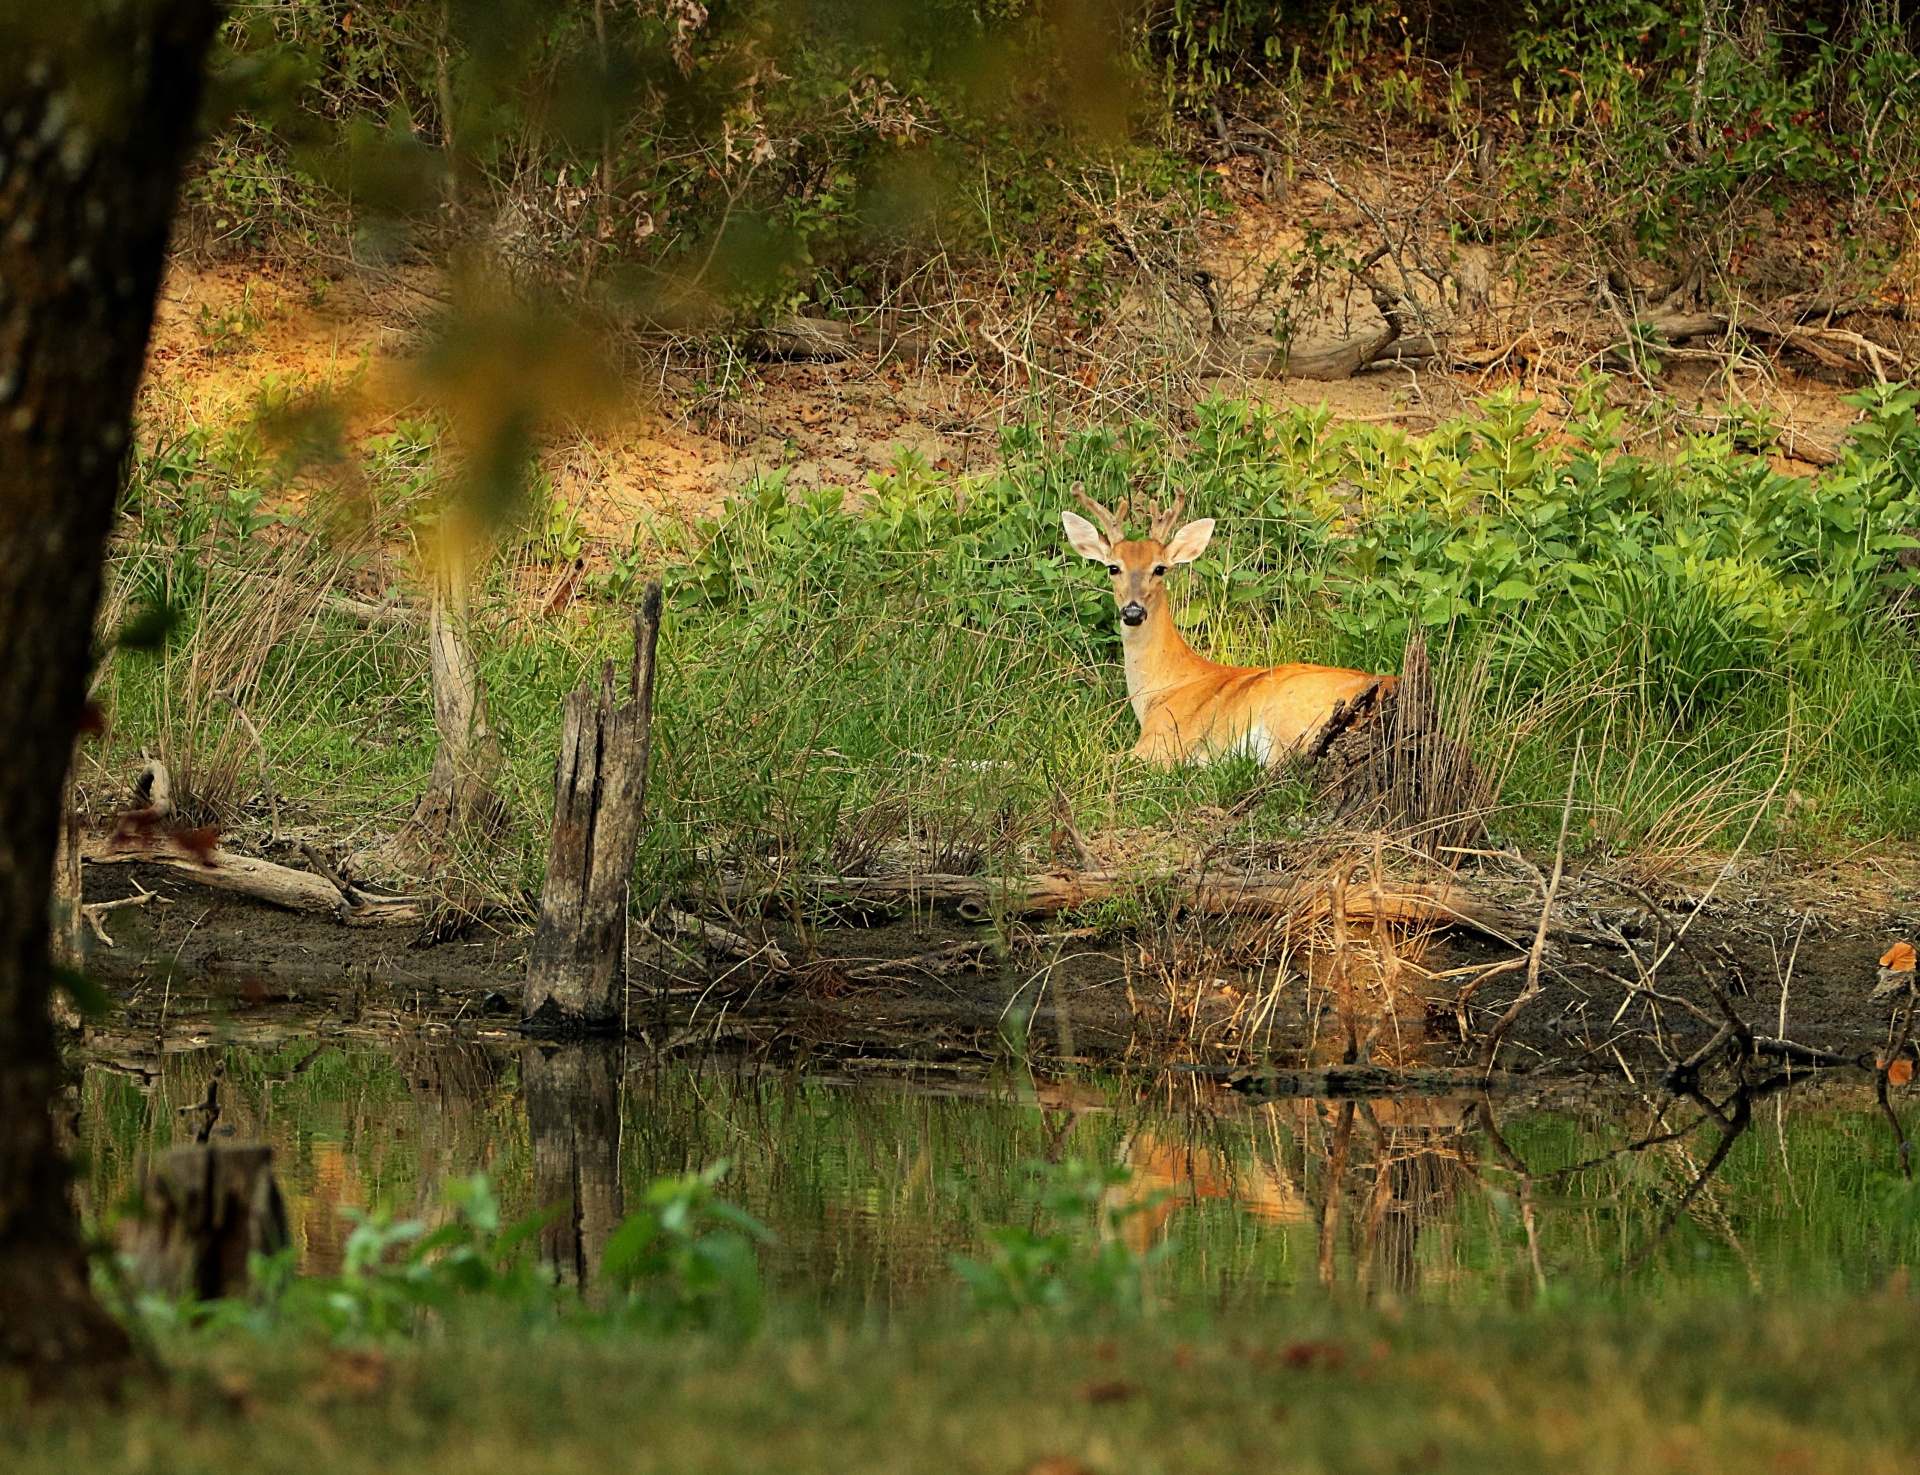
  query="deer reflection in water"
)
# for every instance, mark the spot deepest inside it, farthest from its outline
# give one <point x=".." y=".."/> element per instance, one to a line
<point x="1366" y="1177"/>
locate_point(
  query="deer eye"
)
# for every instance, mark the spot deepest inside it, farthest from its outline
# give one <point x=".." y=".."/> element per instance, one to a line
<point x="1113" y="568"/>
<point x="1159" y="570"/>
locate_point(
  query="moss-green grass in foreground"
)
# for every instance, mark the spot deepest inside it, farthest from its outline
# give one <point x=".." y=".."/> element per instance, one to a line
<point x="1734" y="1387"/>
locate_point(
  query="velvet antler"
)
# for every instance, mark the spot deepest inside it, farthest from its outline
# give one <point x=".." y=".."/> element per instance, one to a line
<point x="1109" y="521"/>
<point x="1166" y="519"/>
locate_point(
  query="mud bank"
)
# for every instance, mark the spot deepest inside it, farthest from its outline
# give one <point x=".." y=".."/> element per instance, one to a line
<point x="197" y="964"/>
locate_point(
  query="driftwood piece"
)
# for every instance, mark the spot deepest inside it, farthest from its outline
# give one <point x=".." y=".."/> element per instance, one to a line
<point x="1836" y="348"/>
<point x="818" y="340"/>
<point x="264" y="880"/>
<point x="204" y="1211"/>
<point x="576" y="966"/>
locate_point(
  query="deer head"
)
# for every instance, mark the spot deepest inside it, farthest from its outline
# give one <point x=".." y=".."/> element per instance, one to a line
<point x="1138" y="566"/>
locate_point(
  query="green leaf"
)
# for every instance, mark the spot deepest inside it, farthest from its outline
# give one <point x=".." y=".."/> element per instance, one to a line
<point x="149" y="628"/>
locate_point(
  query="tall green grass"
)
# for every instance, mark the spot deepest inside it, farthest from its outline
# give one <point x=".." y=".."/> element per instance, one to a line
<point x="925" y="671"/>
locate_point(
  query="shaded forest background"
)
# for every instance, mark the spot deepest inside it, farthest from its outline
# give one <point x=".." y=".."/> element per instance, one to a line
<point x="685" y="168"/>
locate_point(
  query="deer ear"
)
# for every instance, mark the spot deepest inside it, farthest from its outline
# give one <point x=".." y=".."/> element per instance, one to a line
<point x="1190" y="542"/>
<point x="1086" y="538"/>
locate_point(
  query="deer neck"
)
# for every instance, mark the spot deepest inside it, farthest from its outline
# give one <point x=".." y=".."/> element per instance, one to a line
<point x="1158" y="658"/>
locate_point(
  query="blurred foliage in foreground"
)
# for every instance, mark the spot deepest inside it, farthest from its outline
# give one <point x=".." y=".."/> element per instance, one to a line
<point x="702" y="161"/>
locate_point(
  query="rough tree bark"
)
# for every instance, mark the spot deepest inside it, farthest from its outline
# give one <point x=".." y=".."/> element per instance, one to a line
<point x="460" y="793"/>
<point x="575" y="968"/>
<point x="97" y="107"/>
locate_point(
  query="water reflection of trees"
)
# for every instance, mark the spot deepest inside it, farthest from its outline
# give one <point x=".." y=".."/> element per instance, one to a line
<point x="874" y="1187"/>
<point x="1400" y="1196"/>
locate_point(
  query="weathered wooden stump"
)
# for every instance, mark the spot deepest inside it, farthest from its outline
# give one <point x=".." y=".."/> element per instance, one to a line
<point x="576" y="968"/>
<point x="206" y="1210"/>
<point x="1399" y="757"/>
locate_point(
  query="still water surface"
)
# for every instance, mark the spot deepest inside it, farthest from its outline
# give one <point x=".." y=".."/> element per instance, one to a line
<point x="872" y="1185"/>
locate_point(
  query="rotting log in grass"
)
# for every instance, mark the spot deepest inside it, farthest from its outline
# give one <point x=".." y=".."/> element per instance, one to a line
<point x="263" y="880"/>
<point x="576" y="966"/>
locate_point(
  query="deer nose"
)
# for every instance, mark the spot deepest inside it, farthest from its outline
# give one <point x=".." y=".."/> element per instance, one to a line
<point x="1133" y="613"/>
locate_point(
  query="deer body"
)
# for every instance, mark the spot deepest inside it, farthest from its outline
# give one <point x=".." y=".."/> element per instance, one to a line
<point x="1190" y="707"/>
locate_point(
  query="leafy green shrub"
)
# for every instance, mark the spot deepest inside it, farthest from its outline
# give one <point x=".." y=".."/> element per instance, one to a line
<point x="1073" y="1256"/>
<point x="686" y="1259"/>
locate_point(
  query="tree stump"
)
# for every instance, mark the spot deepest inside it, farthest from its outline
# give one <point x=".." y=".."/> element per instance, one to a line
<point x="207" y="1209"/>
<point x="576" y="968"/>
<point x="1398" y="757"/>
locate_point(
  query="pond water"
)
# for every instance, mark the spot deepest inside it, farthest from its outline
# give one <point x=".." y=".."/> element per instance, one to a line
<point x="872" y="1185"/>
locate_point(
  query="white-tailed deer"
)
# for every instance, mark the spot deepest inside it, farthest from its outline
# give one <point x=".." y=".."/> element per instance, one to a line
<point x="1190" y="707"/>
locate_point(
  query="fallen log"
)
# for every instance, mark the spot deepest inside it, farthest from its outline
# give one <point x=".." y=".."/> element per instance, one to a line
<point x="1835" y="348"/>
<point x="263" y="880"/>
<point x="816" y="340"/>
<point x="1247" y="894"/>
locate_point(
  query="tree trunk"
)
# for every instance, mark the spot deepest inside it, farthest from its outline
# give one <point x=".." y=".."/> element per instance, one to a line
<point x="460" y="794"/>
<point x="66" y="946"/>
<point x="97" y="109"/>
<point x="576" y="967"/>
<point x="573" y="1118"/>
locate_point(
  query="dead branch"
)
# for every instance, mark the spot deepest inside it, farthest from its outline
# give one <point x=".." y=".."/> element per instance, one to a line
<point x="300" y="891"/>
<point x="94" y="912"/>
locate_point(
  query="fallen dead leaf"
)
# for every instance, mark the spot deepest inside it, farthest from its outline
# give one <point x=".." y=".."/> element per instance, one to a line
<point x="1108" y="1390"/>
<point x="1899" y="957"/>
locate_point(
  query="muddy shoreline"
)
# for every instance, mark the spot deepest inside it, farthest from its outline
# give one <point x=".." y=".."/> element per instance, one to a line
<point x="204" y="965"/>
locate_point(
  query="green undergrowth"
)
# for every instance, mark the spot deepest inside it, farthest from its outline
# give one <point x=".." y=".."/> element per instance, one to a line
<point x="918" y="678"/>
